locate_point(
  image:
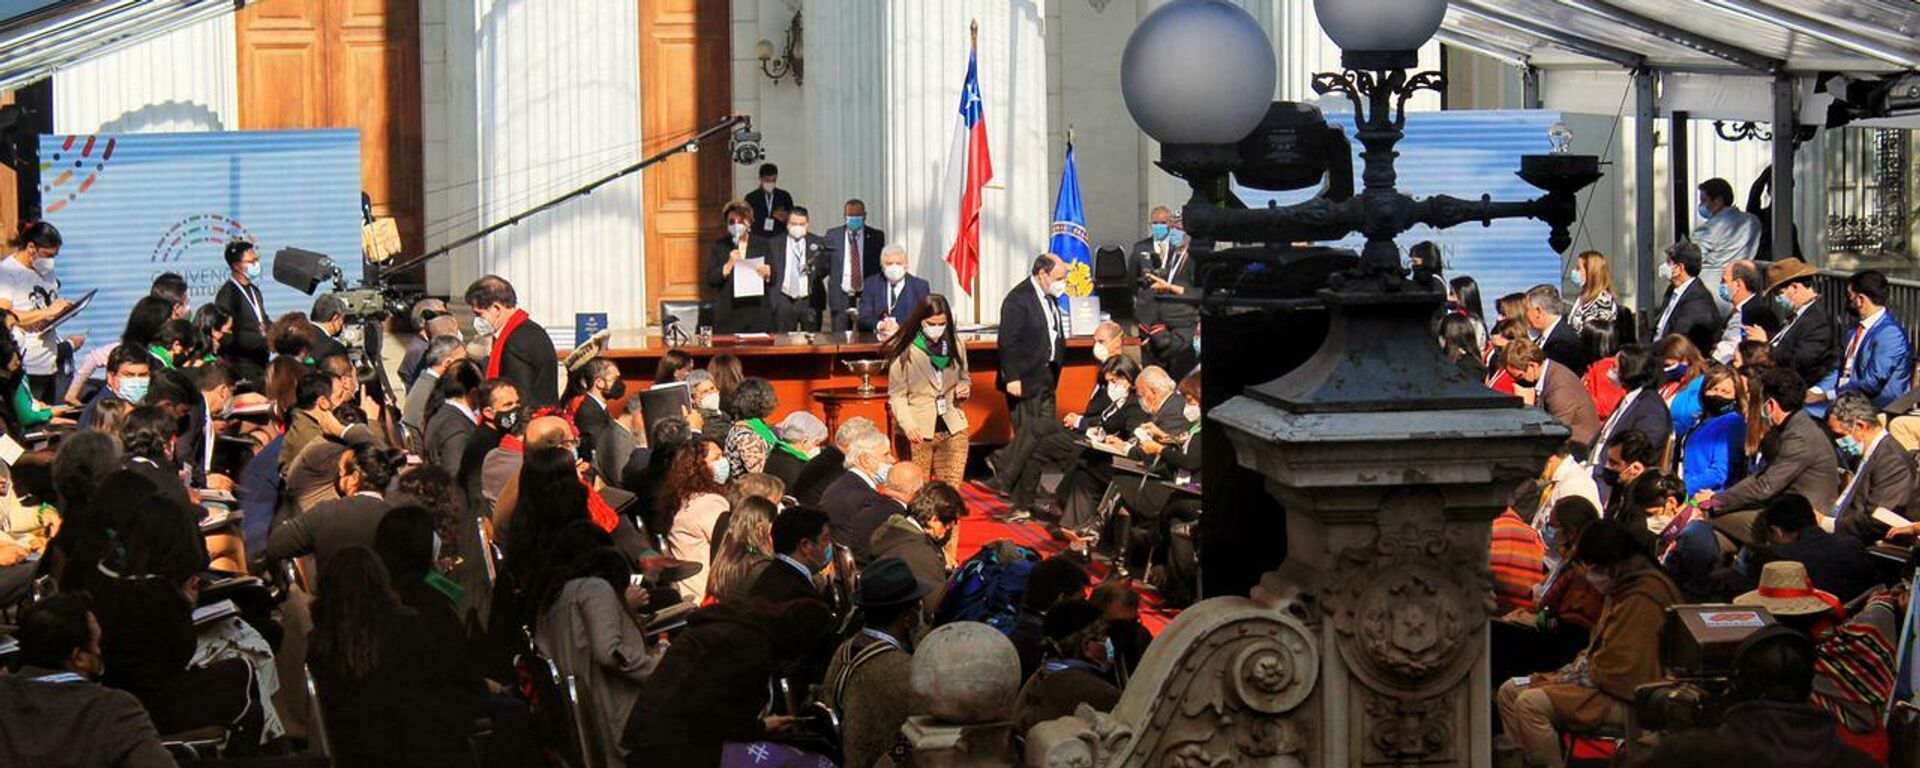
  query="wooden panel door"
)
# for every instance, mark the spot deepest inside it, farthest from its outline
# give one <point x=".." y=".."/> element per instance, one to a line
<point x="685" y="85"/>
<point x="343" y="64"/>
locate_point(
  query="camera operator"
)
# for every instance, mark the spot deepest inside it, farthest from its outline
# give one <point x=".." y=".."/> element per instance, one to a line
<point x="1595" y="691"/>
<point x="1773" y="675"/>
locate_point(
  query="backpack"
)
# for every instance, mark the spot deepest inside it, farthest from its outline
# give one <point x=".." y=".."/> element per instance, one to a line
<point x="987" y="587"/>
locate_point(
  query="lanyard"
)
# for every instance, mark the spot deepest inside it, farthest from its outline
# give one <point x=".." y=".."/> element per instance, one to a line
<point x="259" y="315"/>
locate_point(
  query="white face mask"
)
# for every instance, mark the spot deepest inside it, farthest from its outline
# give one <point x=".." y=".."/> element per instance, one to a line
<point x="735" y="230"/>
<point x="710" y="401"/>
<point x="1101" y="353"/>
<point x="768" y="186"/>
<point x="1058" y="288"/>
<point x="43" y="265"/>
<point x="1191" y="412"/>
<point x="721" y="470"/>
<point x="1116" y="391"/>
<point x="894" y="272"/>
<point x="480" y="325"/>
<point x="1666" y="270"/>
<point x="934" y="332"/>
<point x="796" y="231"/>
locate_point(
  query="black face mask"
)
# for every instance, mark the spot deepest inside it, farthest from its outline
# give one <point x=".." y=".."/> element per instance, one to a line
<point x="1611" y="477"/>
<point x="508" y="420"/>
<point x="1716" y="404"/>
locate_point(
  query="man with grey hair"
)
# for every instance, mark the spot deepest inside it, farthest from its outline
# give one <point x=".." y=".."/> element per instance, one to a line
<point x="435" y="358"/>
<point x="1689" y="309"/>
<point x="422" y="316"/>
<point x="1544" y="312"/>
<point x="1875" y="499"/>
<point x="869" y="461"/>
<point x="889" y="297"/>
<point x="829" y="466"/>
<point x="1109" y="340"/>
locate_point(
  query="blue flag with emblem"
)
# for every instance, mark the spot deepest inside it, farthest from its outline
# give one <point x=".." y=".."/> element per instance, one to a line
<point x="1069" y="240"/>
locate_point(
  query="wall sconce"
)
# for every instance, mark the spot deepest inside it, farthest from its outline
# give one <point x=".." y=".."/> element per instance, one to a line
<point x="1745" y="130"/>
<point x="790" y="60"/>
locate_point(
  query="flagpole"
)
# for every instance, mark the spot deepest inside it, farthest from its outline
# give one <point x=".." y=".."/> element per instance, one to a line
<point x="973" y="43"/>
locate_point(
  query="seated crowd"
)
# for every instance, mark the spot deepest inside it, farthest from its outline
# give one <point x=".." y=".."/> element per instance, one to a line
<point x="1756" y="451"/>
<point x="226" y="519"/>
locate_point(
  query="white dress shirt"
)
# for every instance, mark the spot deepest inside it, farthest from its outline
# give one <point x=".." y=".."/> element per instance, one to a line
<point x="1050" y="309"/>
<point x="1730" y="235"/>
<point x="1667" y="314"/>
<point x="794" y="282"/>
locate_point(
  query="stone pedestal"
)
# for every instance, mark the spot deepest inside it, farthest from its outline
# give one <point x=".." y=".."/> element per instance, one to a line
<point x="1368" y="645"/>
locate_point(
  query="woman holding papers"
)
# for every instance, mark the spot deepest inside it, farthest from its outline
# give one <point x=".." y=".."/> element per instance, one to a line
<point x="927" y="383"/>
<point x="732" y="311"/>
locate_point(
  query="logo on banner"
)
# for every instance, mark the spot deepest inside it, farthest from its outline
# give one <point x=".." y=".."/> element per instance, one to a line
<point x="205" y="229"/>
<point x="77" y="169"/>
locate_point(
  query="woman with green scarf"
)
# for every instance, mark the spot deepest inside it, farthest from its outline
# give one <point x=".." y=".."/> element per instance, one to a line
<point x="927" y="386"/>
<point x="750" y="438"/>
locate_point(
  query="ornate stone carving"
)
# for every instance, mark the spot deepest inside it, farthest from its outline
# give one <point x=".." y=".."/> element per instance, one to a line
<point x="1408" y="730"/>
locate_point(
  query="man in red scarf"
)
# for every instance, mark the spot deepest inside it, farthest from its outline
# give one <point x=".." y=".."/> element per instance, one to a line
<point x="522" y="351"/>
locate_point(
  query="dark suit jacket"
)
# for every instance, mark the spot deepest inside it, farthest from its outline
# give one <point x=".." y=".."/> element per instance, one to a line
<point x="1562" y="345"/>
<point x="843" y="502"/>
<point x="731" y="315"/>
<point x="1886" y="482"/>
<point x="592" y="420"/>
<point x="785" y="466"/>
<point x="93" y="406"/>
<point x="446" y="440"/>
<point x="1836" y="562"/>
<point x="329" y="527"/>
<point x="1024" y="343"/>
<point x="1806" y="345"/>
<point x="248" y="344"/>
<point x="762" y="205"/>
<point x="871" y="241"/>
<point x="1178" y="317"/>
<point x="1802" y="462"/>
<point x="481" y="442"/>
<point x="1564" y="395"/>
<point x="873" y="300"/>
<point x="611" y="451"/>
<point x="1759" y="312"/>
<point x="530" y="362"/>
<point x="1170" y="417"/>
<point x="1882" y="366"/>
<point x="52" y="723"/>
<point x="871" y="516"/>
<point x="780" y="582"/>
<point x="1695" y="316"/>
<point x="818" y="475"/>
<point x="325" y="346"/>
<point x="1647" y="415"/>
<point x="774" y="250"/>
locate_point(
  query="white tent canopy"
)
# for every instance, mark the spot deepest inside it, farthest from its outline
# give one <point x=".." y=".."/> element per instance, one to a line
<point x="38" y="39"/>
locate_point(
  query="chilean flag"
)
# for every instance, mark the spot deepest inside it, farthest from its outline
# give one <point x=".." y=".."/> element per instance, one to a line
<point x="968" y="170"/>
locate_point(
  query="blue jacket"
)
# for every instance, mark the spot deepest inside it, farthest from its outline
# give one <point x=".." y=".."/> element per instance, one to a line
<point x="1882" y="368"/>
<point x="873" y="299"/>
<point x="1685" y="408"/>
<point x="1715" y="454"/>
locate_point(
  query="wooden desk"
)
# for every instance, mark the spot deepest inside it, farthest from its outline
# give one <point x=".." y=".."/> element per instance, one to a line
<point x="798" y="367"/>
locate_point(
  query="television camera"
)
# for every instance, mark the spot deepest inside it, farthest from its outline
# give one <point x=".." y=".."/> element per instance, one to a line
<point x="1698" y="644"/>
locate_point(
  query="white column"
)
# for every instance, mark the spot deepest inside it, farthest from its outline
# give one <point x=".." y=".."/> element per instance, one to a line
<point x="844" y="111"/>
<point x="926" y="59"/>
<point x="186" y="80"/>
<point x="540" y="103"/>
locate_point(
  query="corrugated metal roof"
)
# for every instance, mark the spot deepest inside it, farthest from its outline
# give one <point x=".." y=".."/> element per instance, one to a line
<point x="57" y="36"/>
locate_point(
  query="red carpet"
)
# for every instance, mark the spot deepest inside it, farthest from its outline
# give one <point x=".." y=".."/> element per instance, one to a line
<point x="978" y="528"/>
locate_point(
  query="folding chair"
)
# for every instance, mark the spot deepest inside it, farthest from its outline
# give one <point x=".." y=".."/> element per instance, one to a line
<point x="318" y="742"/>
<point x="556" y="709"/>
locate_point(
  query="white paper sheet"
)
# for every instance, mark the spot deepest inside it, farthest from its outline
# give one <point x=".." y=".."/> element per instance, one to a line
<point x="746" y="279"/>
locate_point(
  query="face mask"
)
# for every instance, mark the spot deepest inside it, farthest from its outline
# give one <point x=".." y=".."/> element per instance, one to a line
<point x="1196" y="345"/>
<point x="1716" y="403"/>
<point x="618" y="390"/>
<point x="1177" y="238"/>
<point x="1191" y="413"/>
<point x="1666" y="270"/>
<point x="1786" y="305"/>
<point x="1116" y="391"/>
<point x="710" y="401"/>
<point x="1578" y="278"/>
<point x="796" y="231"/>
<point x="1110" y="654"/>
<point x="481" y="327"/>
<point x="1160" y="231"/>
<point x="1601" y="582"/>
<point x="894" y="272"/>
<point x="253" y="271"/>
<point x="1704" y="211"/>
<point x="1676" y="371"/>
<point x="1610" y="477"/>
<point x="1613" y="377"/>
<point x="436" y="545"/>
<point x="826" y="557"/>
<point x="44" y="266"/>
<point x="134" y="388"/>
<point x="881" y="475"/>
<point x="1726" y="294"/>
<point x="1058" y="288"/>
<point x="1849" y="446"/>
<point x="736" y="230"/>
<point x="722" y="469"/>
<point x="933" y="332"/>
<point x="768" y="186"/>
<point x="856" y="222"/>
<point x="507" y="421"/>
<point x="1101" y="353"/>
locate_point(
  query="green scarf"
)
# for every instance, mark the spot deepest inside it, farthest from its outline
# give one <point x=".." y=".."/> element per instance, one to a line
<point x="940" y="362"/>
<point x="445" y="586"/>
<point x="160" y="353"/>
<point x="759" y="427"/>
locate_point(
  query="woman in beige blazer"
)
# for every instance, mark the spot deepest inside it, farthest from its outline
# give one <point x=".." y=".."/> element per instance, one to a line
<point x="927" y="387"/>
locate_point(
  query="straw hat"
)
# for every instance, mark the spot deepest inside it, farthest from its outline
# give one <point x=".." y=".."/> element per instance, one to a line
<point x="1786" y="590"/>
<point x="1787" y="270"/>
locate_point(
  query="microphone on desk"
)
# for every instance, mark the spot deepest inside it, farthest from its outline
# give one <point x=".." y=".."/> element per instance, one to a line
<point x="674" y="332"/>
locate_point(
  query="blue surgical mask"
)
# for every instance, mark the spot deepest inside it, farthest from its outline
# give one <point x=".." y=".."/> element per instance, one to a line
<point x="253" y="271"/>
<point x="856" y="222"/>
<point x="826" y="558"/>
<point x="1196" y="346"/>
<point x="722" y="469"/>
<point x="1780" y="300"/>
<point x="881" y="476"/>
<point x="1677" y="371"/>
<point x="1705" y="213"/>
<point x="1177" y="238"/>
<point x="1111" y="656"/>
<point x="1726" y="294"/>
<point x="134" y="388"/>
<point x="1160" y="231"/>
<point x="1578" y="278"/>
<point x="1849" y="446"/>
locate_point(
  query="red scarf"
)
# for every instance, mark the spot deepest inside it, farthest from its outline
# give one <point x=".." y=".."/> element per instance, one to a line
<point x="500" y="335"/>
<point x="598" y="509"/>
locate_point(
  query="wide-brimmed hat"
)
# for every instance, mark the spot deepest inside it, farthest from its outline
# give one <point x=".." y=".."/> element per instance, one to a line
<point x="1788" y="270"/>
<point x="888" y="581"/>
<point x="1787" y="590"/>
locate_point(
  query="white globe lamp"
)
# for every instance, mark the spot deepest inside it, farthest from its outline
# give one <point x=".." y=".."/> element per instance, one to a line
<point x="1198" y="72"/>
<point x="1380" y="34"/>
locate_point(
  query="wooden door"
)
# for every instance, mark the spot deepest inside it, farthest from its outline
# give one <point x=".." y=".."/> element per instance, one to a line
<point x="343" y="64"/>
<point x="685" y="85"/>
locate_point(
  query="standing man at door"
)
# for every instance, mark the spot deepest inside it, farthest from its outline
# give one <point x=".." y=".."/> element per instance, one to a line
<point x="853" y="255"/>
<point x="1033" y="344"/>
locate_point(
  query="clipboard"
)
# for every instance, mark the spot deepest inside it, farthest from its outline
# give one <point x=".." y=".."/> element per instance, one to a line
<point x="79" y="305"/>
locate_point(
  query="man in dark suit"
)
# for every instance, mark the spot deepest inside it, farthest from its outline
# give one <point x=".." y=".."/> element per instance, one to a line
<point x="1174" y="277"/>
<point x="1642" y="410"/>
<point x="802" y="547"/>
<point x="1033" y="344"/>
<point x="1744" y="288"/>
<point x="1801" y="461"/>
<point x="1883" y="478"/>
<point x="52" y="712"/>
<point x="442" y="353"/>
<point x="504" y="414"/>
<point x="129" y="371"/>
<point x="329" y="319"/>
<point x="767" y="201"/>
<point x="337" y="524"/>
<point x="522" y="351"/>
<point x="617" y="452"/>
<point x="450" y="427"/>
<point x="853" y="255"/>
<point x="796" y="260"/>
<point x="904" y="481"/>
<point x="246" y="348"/>
<point x="1806" y="344"/>
<point x="869" y="455"/>
<point x="890" y="296"/>
<point x="1836" y="562"/>
<point x="1149" y="254"/>
<point x="1876" y="360"/>
<point x="1167" y="422"/>
<point x="1689" y="309"/>
<point x="1550" y="330"/>
<point x="592" y="419"/>
<point x="1555" y="389"/>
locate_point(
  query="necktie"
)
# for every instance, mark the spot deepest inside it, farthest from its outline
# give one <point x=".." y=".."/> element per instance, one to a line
<point x="853" y="262"/>
<point x="893" y="297"/>
<point x="1853" y="347"/>
<point x="796" y="279"/>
